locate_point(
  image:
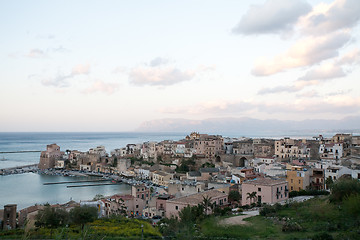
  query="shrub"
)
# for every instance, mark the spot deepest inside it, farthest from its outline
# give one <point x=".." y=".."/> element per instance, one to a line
<point x="267" y="210"/>
<point x="291" y="226"/>
<point x="351" y="205"/>
<point x="342" y="189"/>
<point x="322" y="236"/>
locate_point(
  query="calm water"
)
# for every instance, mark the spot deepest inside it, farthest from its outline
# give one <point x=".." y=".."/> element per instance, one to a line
<point x="28" y="189"/>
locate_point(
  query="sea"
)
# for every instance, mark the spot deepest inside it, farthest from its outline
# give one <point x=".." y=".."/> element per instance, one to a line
<point x="28" y="189"/>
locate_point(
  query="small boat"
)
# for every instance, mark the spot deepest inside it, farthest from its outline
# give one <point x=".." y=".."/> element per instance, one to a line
<point x="3" y="159"/>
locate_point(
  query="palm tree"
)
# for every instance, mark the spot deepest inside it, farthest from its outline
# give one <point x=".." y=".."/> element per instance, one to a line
<point x="206" y="203"/>
<point x="252" y="196"/>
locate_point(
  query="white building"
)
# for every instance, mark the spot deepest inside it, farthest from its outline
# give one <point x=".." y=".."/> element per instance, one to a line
<point x="331" y="151"/>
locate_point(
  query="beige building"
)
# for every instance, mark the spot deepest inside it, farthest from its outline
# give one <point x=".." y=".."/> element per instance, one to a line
<point x="289" y="148"/>
<point x="48" y="158"/>
<point x="161" y="178"/>
<point x="208" y="145"/>
<point x="175" y="205"/>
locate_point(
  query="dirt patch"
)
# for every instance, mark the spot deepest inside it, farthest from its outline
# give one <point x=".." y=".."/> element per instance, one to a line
<point x="236" y="220"/>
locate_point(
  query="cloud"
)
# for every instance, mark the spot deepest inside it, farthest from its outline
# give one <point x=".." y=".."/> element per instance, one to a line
<point x="60" y="49"/>
<point x="100" y="86"/>
<point x="327" y="18"/>
<point x="352" y="57"/>
<point x="274" y="16"/>
<point x="58" y="81"/>
<point x="36" y="53"/>
<point x="324" y="72"/>
<point x="278" y="89"/>
<point x="163" y="76"/>
<point x="337" y="93"/>
<point x="304" y="106"/>
<point x="158" y="61"/>
<point x="80" y="69"/>
<point x="62" y="80"/>
<point x="305" y="52"/>
<point x="310" y="94"/>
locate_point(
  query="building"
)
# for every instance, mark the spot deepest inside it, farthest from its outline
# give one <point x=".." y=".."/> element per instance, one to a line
<point x="183" y="189"/>
<point x="141" y="191"/>
<point x="264" y="190"/>
<point x="318" y="179"/>
<point x="292" y="149"/>
<point x="332" y="151"/>
<point x="9" y="217"/>
<point x="48" y="158"/>
<point x="161" y="178"/>
<point x="298" y="177"/>
<point x="175" y="205"/>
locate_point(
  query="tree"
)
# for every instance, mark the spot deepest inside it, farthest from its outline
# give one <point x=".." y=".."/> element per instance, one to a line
<point x="51" y="218"/>
<point x="342" y="189"/>
<point x="328" y="182"/>
<point x="115" y="163"/>
<point x="83" y="214"/>
<point x="252" y="196"/>
<point x="234" y="196"/>
<point x="98" y="197"/>
<point x="206" y="203"/>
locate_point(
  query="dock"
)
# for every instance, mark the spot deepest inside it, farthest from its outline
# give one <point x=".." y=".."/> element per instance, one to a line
<point x="19" y="167"/>
<point x="80" y="181"/>
<point x="91" y="185"/>
<point x="30" y="151"/>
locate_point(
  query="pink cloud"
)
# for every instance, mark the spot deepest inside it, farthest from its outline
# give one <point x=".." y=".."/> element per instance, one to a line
<point x="100" y="86"/>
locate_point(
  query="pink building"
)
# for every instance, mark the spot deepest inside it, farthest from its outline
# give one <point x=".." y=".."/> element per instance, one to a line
<point x="267" y="190"/>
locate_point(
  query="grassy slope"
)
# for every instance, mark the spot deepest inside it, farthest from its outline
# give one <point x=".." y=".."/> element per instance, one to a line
<point x="316" y="217"/>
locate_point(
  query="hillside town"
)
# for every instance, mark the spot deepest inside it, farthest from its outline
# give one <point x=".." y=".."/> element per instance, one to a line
<point x="167" y="176"/>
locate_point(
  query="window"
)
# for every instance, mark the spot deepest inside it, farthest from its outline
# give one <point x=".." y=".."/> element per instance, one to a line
<point x="137" y="206"/>
<point x="259" y="189"/>
<point x="176" y="208"/>
<point x="299" y="181"/>
<point x="292" y="188"/>
<point x="292" y="180"/>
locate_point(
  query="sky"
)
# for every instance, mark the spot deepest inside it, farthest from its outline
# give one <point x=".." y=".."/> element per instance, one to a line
<point x="111" y="65"/>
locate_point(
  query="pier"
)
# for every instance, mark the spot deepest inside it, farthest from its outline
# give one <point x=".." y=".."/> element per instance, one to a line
<point x="20" y="167"/>
<point x="30" y="151"/>
<point x="80" y="181"/>
<point x="91" y="185"/>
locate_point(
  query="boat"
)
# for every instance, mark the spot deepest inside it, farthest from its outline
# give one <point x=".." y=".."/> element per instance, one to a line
<point x="3" y="159"/>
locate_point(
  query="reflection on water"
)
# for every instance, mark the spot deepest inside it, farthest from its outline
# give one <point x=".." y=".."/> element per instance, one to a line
<point x="28" y="189"/>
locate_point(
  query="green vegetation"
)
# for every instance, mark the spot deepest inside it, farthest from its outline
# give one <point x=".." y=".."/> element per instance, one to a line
<point x="208" y="165"/>
<point x="309" y="192"/>
<point x="186" y="166"/>
<point x="105" y="228"/>
<point x="234" y="196"/>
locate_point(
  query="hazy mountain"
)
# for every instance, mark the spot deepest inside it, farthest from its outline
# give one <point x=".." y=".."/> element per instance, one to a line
<point x="252" y="127"/>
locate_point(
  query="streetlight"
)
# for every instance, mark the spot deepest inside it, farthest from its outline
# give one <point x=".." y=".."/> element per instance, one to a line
<point x="142" y="231"/>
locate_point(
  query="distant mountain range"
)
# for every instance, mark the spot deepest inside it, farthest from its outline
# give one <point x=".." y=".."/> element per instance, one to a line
<point x="254" y="127"/>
